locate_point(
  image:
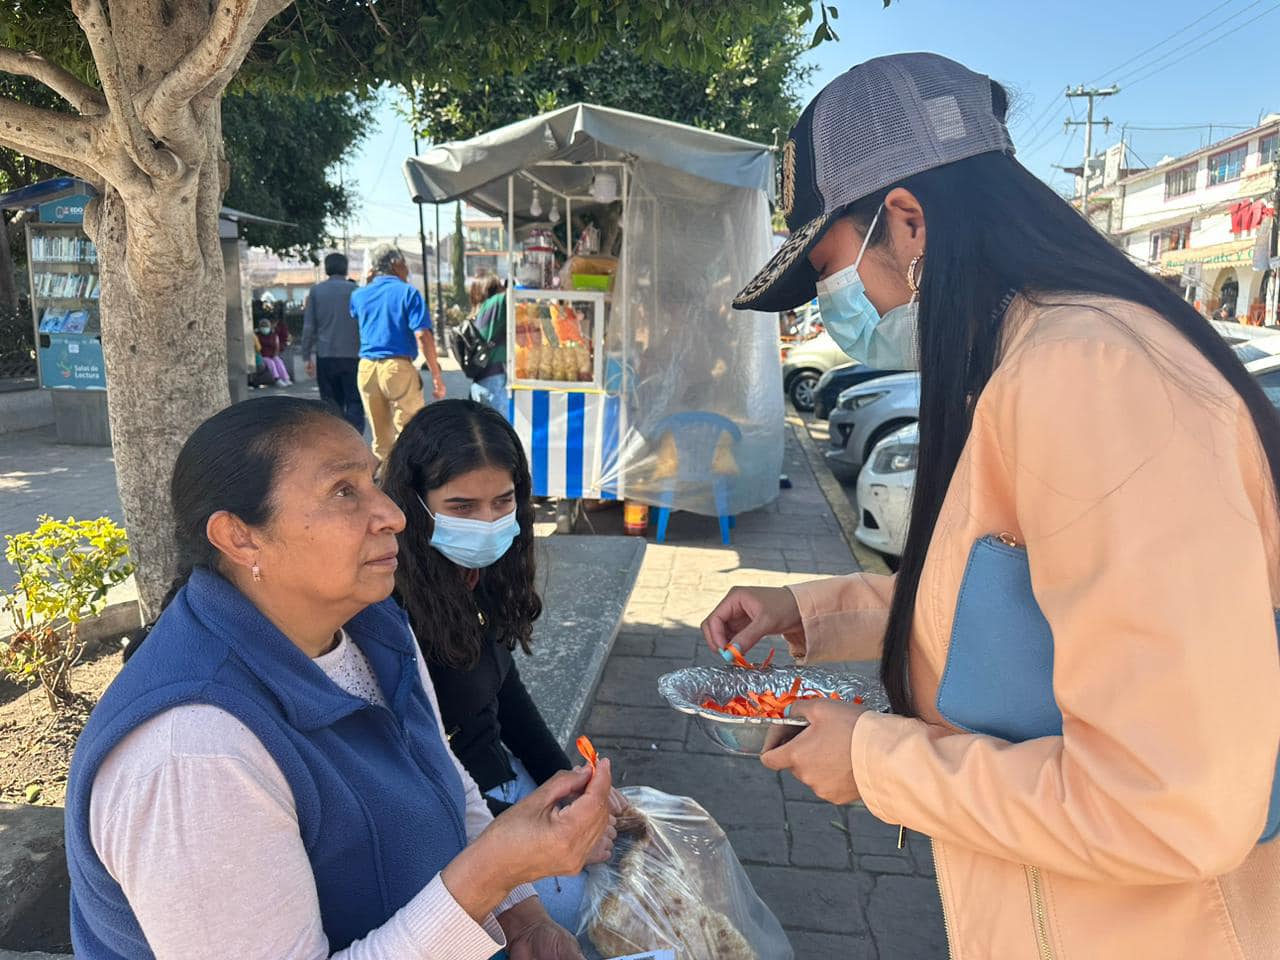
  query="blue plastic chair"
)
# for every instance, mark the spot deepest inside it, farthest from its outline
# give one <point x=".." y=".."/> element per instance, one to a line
<point x="696" y="435"/>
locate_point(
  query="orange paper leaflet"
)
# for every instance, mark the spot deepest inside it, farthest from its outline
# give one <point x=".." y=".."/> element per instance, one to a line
<point x="740" y="661"/>
<point x="767" y="704"/>
<point x="588" y="751"/>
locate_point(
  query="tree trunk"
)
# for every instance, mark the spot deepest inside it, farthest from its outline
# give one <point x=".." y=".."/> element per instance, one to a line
<point x="8" y="284"/>
<point x="164" y="344"/>
<point x="149" y="139"/>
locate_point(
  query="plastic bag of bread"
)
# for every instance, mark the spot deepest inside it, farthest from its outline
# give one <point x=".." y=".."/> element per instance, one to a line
<point x="674" y="883"/>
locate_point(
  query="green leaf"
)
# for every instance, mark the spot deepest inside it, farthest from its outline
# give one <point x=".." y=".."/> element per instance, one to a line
<point x="33" y="791"/>
<point x="834" y="13"/>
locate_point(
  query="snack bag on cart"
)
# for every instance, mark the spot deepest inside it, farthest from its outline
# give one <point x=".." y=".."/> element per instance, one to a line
<point x="674" y="883"/>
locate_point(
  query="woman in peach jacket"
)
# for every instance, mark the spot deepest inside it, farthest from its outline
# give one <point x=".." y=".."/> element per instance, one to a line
<point x="1080" y="647"/>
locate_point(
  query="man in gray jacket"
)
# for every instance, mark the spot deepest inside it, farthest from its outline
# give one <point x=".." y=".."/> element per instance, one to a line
<point x="331" y="341"/>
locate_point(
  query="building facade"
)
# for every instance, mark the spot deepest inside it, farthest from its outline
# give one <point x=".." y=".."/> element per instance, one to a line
<point x="1204" y="222"/>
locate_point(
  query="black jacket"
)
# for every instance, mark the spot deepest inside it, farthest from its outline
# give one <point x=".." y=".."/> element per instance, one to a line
<point x="487" y="711"/>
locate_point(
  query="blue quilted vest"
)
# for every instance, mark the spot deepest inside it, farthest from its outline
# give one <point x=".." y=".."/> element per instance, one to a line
<point x="380" y="805"/>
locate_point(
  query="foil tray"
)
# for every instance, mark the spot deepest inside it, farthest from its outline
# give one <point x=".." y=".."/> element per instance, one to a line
<point x="686" y="690"/>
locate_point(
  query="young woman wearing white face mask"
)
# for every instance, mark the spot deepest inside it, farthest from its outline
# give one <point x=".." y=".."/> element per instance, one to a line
<point x="466" y="578"/>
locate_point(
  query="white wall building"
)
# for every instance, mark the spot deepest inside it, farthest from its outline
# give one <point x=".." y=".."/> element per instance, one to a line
<point x="1201" y="221"/>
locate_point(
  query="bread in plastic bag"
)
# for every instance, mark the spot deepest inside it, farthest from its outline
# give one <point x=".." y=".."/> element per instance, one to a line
<point x="674" y="882"/>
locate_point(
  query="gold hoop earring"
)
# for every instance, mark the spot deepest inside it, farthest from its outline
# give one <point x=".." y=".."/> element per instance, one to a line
<point x="257" y="573"/>
<point x="912" y="280"/>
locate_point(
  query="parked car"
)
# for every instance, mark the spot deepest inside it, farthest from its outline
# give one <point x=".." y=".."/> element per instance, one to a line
<point x="868" y="413"/>
<point x="803" y="365"/>
<point x="884" y="491"/>
<point x="839" y="379"/>
<point x="1234" y="333"/>
<point x="1267" y="372"/>
<point x="886" y="482"/>
<point x="1257" y="348"/>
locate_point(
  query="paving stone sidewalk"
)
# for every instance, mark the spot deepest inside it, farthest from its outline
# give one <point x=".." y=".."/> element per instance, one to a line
<point x="832" y="875"/>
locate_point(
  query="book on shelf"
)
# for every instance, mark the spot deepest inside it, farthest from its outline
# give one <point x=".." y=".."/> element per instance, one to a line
<point x="53" y="319"/>
<point x="75" y="322"/>
<point x="63" y="248"/>
<point x="67" y="286"/>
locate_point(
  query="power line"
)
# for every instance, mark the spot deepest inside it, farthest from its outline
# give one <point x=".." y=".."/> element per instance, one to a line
<point x="1195" y="126"/>
<point x="1071" y="138"/>
<point x="1138" y="56"/>
<point x="1044" y="139"/>
<point x="1036" y="126"/>
<point x="1137" y="76"/>
<point x="1050" y="132"/>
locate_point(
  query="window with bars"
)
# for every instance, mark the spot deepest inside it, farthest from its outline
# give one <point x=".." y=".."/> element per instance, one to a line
<point x="1269" y="149"/>
<point x="1227" y="165"/>
<point x="1179" y="182"/>
<point x="1179" y="238"/>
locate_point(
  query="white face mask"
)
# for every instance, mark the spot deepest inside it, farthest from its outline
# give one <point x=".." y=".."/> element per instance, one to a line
<point x="888" y="342"/>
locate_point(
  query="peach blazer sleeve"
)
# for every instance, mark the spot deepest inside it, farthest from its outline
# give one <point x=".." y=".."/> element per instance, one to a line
<point x="1135" y="487"/>
<point x="844" y="617"/>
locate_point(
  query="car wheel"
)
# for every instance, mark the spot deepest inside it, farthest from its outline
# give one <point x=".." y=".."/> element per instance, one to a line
<point x="803" y="390"/>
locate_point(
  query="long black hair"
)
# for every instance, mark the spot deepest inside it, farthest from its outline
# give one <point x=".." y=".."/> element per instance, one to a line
<point x="231" y="462"/>
<point x="994" y="229"/>
<point x="446" y="440"/>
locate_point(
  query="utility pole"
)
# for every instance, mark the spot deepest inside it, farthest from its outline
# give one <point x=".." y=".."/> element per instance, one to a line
<point x="346" y="217"/>
<point x="438" y="321"/>
<point x="1093" y="93"/>
<point x="1272" y="315"/>
<point x="439" y="285"/>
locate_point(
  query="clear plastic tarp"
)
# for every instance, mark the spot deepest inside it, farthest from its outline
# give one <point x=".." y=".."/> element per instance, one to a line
<point x="701" y="385"/>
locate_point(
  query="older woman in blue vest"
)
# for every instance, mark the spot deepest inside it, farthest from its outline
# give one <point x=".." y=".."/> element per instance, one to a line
<point x="267" y="777"/>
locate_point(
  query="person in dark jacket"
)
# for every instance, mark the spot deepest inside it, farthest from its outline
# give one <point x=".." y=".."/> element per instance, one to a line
<point x="466" y="579"/>
<point x="331" y="341"/>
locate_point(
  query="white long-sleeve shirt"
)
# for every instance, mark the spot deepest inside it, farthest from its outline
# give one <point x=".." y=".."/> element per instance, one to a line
<point x="195" y="821"/>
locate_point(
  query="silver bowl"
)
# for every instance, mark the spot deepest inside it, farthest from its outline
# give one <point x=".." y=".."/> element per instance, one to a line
<point x="686" y="690"/>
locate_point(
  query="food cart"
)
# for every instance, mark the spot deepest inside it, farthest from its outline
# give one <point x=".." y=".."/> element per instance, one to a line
<point x="630" y="377"/>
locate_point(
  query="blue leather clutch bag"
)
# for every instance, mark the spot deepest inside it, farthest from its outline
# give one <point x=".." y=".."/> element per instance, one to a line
<point x="999" y="674"/>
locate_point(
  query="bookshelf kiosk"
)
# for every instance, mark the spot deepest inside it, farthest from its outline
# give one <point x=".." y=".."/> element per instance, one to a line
<point x="63" y="266"/>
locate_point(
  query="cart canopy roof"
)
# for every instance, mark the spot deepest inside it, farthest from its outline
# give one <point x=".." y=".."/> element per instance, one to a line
<point x="477" y="169"/>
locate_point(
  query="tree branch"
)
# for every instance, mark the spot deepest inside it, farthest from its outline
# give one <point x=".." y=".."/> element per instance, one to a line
<point x="162" y="164"/>
<point x="24" y="131"/>
<point x="45" y="135"/>
<point x="80" y="95"/>
<point x="265" y="12"/>
<point x="220" y="52"/>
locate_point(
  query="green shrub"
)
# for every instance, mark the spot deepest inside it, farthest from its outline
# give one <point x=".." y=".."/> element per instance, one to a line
<point x="64" y="572"/>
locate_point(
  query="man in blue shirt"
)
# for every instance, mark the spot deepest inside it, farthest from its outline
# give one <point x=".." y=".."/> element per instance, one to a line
<point x="394" y="328"/>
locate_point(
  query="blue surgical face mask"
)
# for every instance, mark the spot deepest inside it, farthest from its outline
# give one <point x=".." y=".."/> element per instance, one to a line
<point x="886" y="343"/>
<point x="473" y="544"/>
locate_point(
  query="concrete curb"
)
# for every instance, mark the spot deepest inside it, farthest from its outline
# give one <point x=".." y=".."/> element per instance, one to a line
<point x="586" y="582"/>
<point x="868" y="560"/>
<point x="115" y="620"/>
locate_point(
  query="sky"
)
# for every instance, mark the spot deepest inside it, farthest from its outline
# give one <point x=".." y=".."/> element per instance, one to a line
<point x="1210" y="65"/>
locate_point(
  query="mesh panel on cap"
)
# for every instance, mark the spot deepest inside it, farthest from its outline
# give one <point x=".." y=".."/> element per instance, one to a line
<point x="893" y="117"/>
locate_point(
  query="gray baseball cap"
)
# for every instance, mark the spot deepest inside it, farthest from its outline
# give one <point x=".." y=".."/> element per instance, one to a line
<point x="871" y="127"/>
